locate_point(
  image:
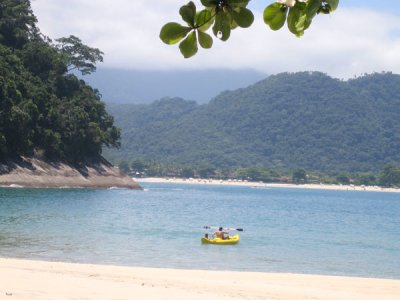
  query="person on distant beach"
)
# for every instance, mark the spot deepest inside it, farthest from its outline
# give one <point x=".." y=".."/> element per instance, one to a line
<point x="220" y="233"/>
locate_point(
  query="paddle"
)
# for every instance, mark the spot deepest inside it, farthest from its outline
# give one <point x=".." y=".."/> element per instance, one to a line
<point x="216" y="228"/>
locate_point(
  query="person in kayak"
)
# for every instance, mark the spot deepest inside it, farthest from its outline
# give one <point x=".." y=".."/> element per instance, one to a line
<point x="220" y="233"/>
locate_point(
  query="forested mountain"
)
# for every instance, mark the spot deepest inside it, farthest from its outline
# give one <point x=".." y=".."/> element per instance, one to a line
<point x="44" y="108"/>
<point x="301" y="120"/>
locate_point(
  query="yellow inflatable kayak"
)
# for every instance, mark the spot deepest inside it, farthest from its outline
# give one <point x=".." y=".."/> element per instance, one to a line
<point x="234" y="239"/>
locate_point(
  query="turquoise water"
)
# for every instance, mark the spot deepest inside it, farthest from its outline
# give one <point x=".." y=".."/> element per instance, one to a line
<point x="286" y="230"/>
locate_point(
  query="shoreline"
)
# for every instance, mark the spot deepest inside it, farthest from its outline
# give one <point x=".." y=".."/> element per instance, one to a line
<point x="34" y="280"/>
<point x="335" y="187"/>
<point x="40" y="173"/>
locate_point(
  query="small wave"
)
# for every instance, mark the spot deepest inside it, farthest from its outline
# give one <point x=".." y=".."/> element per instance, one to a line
<point x="16" y="186"/>
<point x="69" y="187"/>
<point x="116" y="188"/>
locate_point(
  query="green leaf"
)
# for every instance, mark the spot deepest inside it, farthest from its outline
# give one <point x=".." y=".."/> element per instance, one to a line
<point x="313" y="7"/>
<point x="275" y="15"/>
<point x="188" y="13"/>
<point x="222" y="25"/>
<point x="238" y="3"/>
<point x="209" y="3"/>
<point x="188" y="46"/>
<point x="203" y="20"/>
<point x="244" y="18"/>
<point x="171" y="33"/>
<point x="233" y="25"/>
<point x="297" y="19"/>
<point x="205" y="40"/>
<point x="333" y="4"/>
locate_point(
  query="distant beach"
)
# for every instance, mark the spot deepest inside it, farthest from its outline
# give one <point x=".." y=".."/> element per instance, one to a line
<point x="34" y="280"/>
<point x="253" y="184"/>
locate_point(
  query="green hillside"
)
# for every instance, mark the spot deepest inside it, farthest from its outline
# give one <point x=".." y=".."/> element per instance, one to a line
<point x="301" y="120"/>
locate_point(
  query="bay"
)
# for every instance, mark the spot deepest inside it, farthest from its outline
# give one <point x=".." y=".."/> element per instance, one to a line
<point x="347" y="233"/>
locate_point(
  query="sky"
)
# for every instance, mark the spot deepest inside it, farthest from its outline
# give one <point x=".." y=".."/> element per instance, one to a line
<point x="360" y="37"/>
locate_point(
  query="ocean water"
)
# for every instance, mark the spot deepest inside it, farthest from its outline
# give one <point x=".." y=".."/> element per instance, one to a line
<point x="285" y="230"/>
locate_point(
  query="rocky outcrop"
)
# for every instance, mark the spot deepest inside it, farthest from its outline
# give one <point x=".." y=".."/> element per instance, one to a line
<point x="39" y="173"/>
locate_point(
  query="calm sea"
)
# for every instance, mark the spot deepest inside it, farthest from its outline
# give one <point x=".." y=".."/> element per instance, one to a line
<point x="285" y="230"/>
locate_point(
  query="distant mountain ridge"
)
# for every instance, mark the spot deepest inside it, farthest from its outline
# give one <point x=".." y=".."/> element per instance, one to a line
<point x="144" y="87"/>
<point x="304" y="119"/>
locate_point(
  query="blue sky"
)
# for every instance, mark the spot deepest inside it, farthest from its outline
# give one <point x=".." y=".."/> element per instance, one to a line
<point x="383" y="5"/>
<point x="360" y="37"/>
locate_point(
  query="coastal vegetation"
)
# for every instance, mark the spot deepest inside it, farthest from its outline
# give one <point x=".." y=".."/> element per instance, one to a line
<point x="44" y="109"/>
<point x="304" y="120"/>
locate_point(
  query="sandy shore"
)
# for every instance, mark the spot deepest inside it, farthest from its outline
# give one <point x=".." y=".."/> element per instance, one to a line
<point x="34" y="280"/>
<point x="269" y="185"/>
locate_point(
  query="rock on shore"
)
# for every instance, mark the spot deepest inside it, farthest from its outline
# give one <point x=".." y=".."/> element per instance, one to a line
<point x="39" y="173"/>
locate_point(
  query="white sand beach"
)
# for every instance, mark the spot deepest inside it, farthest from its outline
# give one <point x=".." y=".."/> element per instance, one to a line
<point x="268" y="185"/>
<point x="34" y="280"/>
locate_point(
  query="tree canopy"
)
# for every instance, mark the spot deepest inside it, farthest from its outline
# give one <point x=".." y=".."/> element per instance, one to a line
<point x="44" y="108"/>
<point x="79" y="56"/>
<point x="390" y="176"/>
<point x="223" y="16"/>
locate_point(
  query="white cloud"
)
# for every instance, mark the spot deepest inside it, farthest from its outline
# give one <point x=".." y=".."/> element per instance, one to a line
<point x="348" y="42"/>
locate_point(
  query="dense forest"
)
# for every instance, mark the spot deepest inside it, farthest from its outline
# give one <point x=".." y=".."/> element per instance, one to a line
<point x="287" y="121"/>
<point x="44" y="109"/>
